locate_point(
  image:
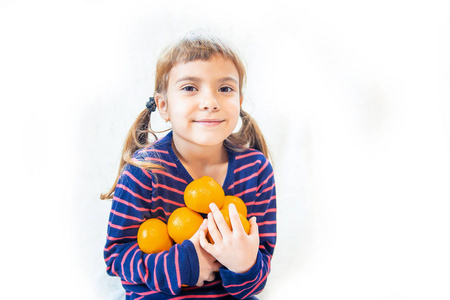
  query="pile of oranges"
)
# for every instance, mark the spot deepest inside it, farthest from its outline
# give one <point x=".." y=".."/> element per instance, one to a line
<point x="155" y="236"/>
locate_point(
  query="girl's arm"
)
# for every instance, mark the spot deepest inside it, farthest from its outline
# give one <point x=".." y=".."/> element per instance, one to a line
<point x="161" y="272"/>
<point x="245" y="278"/>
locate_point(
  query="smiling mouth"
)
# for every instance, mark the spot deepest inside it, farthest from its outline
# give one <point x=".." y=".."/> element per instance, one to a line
<point x="209" y="122"/>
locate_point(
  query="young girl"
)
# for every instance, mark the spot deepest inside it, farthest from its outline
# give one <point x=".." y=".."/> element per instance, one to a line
<point x="199" y="82"/>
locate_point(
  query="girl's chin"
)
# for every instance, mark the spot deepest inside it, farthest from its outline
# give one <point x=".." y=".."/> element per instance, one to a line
<point x="205" y="136"/>
<point x="206" y="140"/>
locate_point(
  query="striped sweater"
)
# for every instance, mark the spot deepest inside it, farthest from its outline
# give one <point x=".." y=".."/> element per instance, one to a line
<point x="141" y="194"/>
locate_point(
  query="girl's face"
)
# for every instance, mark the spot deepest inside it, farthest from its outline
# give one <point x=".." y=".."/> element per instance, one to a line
<point x="202" y="101"/>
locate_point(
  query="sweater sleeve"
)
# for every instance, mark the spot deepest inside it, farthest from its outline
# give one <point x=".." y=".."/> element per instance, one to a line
<point x="160" y="272"/>
<point x="264" y="208"/>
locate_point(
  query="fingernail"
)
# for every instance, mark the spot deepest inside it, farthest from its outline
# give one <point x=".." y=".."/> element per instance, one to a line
<point x="213" y="206"/>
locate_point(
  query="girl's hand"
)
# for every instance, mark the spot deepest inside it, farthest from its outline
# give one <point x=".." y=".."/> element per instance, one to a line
<point x="207" y="263"/>
<point x="234" y="249"/>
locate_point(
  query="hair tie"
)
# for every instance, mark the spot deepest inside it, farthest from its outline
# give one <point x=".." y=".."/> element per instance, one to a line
<point x="151" y="104"/>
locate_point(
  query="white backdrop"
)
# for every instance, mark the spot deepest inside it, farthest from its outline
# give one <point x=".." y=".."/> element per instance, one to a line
<point x="353" y="99"/>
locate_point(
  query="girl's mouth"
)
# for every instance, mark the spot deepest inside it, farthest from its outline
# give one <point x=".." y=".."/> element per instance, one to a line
<point x="209" y="122"/>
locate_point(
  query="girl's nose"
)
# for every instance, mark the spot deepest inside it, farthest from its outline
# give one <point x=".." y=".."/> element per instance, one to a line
<point x="214" y="107"/>
<point x="210" y="103"/>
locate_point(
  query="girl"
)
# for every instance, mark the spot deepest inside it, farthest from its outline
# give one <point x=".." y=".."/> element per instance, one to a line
<point x="199" y="82"/>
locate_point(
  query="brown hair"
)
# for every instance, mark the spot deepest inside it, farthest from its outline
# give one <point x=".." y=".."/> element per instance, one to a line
<point x="191" y="47"/>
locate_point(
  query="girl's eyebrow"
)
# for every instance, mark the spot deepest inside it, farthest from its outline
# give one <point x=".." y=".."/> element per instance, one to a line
<point x="191" y="78"/>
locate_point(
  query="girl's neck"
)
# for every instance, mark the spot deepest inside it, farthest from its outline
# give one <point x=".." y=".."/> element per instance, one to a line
<point x="202" y="160"/>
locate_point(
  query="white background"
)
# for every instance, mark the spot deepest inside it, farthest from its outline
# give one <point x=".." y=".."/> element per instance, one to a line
<point x="353" y="99"/>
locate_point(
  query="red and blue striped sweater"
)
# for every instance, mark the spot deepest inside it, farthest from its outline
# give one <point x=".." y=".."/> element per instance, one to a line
<point x="139" y="196"/>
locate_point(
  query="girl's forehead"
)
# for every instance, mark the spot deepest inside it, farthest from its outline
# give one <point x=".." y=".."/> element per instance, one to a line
<point x="216" y="65"/>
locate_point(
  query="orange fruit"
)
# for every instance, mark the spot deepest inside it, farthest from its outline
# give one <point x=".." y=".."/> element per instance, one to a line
<point x="153" y="236"/>
<point x="226" y="216"/>
<point x="183" y="223"/>
<point x="201" y="192"/>
<point x="240" y="205"/>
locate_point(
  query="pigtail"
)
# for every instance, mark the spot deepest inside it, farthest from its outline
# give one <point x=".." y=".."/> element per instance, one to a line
<point x="249" y="136"/>
<point x="137" y="138"/>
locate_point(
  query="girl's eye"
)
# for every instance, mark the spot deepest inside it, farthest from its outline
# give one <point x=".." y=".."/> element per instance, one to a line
<point x="189" y="88"/>
<point x="226" y="89"/>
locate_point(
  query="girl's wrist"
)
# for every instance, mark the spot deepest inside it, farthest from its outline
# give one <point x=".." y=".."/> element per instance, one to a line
<point x="230" y="276"/>
<point x="242" y="269"/>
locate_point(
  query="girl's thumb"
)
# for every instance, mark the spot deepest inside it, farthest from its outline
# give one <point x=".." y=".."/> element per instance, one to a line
<point x="203" y="227"/>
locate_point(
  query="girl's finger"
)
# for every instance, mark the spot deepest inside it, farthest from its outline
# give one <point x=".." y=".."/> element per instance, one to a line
<point x="203" y="227"/>
<point x="205" y="244"/>
<point x="254" y="230"/>
<point x="222" y="226"/>
<point x="217" y="266"/>
<point x="213" y="230"/>
<point x="211" y="277"/>
<point x="236" y="223"/>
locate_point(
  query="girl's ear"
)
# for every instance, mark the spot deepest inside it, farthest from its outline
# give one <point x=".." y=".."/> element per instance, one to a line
<point x="241" y="98"/>
<point x="161" y="103"/>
